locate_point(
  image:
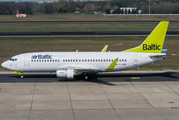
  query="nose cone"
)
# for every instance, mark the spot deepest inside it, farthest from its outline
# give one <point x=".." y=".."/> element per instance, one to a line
<point x="4" y="64"/>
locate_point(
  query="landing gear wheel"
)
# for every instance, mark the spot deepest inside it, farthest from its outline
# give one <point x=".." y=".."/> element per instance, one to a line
<point x="86" y="76"/>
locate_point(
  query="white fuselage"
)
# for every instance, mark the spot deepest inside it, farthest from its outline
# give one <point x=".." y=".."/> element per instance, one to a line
<point x="51" y="61"/>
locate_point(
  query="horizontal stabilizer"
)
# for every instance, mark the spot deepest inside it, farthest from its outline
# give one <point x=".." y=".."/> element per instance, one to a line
<point x="162" y="55"/>
<point x="164" y="51"/>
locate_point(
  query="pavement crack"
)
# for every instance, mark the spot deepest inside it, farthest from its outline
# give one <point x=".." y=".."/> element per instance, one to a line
<point x="147" y="100"/>
<point x="32" y="102"/>
<point x="1" y="86"/>
<point x="110" y="102"/>
<point x="170" y="88"/>
<point x="71" y="101"/>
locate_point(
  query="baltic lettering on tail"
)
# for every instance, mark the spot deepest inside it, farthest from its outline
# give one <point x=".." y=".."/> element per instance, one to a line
<point x="151" y="47"/>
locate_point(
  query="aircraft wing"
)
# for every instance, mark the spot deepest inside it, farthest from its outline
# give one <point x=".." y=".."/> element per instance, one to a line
<point x="78" y="68"/>
<point x="88" y="70"/>
<point x="83" y="68"/>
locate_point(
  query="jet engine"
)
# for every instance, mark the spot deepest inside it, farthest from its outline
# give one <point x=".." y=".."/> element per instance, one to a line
<point x="65" y="73"/>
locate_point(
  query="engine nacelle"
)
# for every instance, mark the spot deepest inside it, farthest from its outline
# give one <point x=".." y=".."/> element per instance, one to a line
<point x="65" y="73"/>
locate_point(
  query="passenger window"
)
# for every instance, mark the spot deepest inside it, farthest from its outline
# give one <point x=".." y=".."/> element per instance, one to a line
<point x="31" y="60"/>
<point x="55" y="60"/>
<point x="39" y="60"/>
<point x="82" y="60"/>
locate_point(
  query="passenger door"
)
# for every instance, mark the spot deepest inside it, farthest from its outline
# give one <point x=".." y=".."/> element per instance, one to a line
<point x="26" y="60"/>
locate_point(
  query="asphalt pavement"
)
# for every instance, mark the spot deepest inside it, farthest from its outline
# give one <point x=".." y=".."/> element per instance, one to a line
<point x="125" y="95"/>
<point x="85" y="21"/>
<point x="83" y="33"/>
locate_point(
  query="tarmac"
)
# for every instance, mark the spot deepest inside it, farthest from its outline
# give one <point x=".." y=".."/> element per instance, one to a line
<point x="126" y="95"/>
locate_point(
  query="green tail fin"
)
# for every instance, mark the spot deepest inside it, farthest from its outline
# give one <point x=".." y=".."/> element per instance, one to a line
<point x="154" y="42"/>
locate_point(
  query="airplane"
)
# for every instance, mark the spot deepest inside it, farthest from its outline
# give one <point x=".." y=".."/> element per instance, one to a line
<point x="67" y="64"/>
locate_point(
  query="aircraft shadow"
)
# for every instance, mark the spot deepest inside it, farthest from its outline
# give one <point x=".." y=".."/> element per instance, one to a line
<point x="104" y="78"/>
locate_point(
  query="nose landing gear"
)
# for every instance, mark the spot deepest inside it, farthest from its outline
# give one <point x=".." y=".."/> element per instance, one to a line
<point x="22" y="76"/>
<point x="19" y="73"/>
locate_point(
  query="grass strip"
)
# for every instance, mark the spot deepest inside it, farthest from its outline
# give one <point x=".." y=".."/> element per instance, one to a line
<point x="42" y="27"/>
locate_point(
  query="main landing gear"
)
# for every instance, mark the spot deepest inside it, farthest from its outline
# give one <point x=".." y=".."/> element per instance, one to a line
<point x="85" y="76"/>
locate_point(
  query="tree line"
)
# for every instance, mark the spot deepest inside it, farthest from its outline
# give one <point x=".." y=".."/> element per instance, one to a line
<point x="113" y="6"/>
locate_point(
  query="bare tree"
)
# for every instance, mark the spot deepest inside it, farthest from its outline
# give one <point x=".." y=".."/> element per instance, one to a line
<point x="90" y="7"/>
<point x="107" y="6"/>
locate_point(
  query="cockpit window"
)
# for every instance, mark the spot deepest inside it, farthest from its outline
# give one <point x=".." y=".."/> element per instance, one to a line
<point x="13" y="59"/>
